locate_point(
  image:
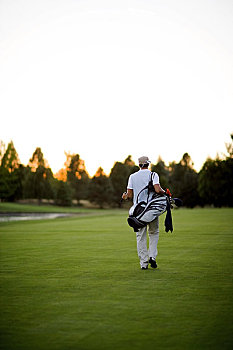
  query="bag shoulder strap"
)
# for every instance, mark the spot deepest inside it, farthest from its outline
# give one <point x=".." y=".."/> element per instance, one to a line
<point x="149" y="187"/>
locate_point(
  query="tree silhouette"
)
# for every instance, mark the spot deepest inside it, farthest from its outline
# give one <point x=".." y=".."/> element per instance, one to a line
<point x="183" y="181"/>
<point x="162" y="170"/>
<point x="37" y="160"/>
<point x="100" y="189"/>
<point x="77" y="176"/>
<point x="119" y="177"/>
<point x="10" y="159"/>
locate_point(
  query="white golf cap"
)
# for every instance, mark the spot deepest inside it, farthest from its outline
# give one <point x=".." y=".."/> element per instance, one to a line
<point x="144" y="160"/>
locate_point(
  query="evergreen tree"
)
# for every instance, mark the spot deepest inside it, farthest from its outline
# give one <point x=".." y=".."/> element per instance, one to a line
<point x="100" y="189"/>
<point x="39" y="180"/>
<point x="77" y="176"/>
<point x="64" y="193"/>
<point x="131" y="166"/>
<point x="229" y="147"/>
<point x="183" y="181"/>
<point x="163" y="172"/>
<point x="37" y="160"/>
<point x="10" y="159"/>
<point x="10" y="182"/>
<point x="6" y="191"/>
<point x="2" y="150"/>
<point x="216" y="182"/>
<point x="119" y="178"/>
<point x="28" y="184"/>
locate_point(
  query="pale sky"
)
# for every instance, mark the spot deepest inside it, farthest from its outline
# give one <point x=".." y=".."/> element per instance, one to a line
<point x="106" y="79"/>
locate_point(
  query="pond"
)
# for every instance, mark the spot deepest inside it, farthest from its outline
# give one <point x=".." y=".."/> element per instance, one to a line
<point x="4" y="217"/>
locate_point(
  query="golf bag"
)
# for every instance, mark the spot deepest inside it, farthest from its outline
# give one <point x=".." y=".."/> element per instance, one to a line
<point x="142" y="213"/>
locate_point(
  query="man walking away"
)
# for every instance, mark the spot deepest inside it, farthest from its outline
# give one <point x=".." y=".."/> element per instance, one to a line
<point x="136" y="183"/>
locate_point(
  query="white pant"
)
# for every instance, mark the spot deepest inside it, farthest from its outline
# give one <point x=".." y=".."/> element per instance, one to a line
<point x="143" y="253"/>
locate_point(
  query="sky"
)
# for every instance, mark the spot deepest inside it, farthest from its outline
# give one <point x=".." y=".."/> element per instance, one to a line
<point x="107" y="79"/>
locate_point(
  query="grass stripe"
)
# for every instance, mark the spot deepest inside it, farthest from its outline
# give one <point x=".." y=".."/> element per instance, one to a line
<point x="76" y="284"/>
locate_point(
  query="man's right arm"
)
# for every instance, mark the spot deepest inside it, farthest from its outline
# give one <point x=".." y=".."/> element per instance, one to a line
<point x="128" y="194"/>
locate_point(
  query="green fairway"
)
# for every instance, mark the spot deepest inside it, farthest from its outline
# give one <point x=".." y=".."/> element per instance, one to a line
<point x="28" y="208"/>
<point x="76" y="284"/>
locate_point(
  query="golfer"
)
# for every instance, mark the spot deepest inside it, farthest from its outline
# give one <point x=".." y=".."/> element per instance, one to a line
<point x="136" y="183"/>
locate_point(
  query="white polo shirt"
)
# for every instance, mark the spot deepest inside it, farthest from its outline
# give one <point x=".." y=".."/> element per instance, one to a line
<point x="138" y="181"/>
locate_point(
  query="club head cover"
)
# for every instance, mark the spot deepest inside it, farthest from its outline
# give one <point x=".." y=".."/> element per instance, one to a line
<point x="178" y="202"/>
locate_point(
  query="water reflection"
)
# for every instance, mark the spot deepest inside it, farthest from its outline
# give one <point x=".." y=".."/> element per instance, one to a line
<point x="30" y="216"/>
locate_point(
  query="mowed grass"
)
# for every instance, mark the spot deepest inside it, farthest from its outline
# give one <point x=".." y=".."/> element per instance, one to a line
<point x="33" y="208"/>
<point x="76" y="283"/>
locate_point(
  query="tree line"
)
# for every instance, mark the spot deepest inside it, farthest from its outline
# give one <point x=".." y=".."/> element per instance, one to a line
<point x="212" y="185"/>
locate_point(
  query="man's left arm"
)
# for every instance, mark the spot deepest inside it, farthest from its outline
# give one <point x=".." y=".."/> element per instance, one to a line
<point x="158" y="188"/>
